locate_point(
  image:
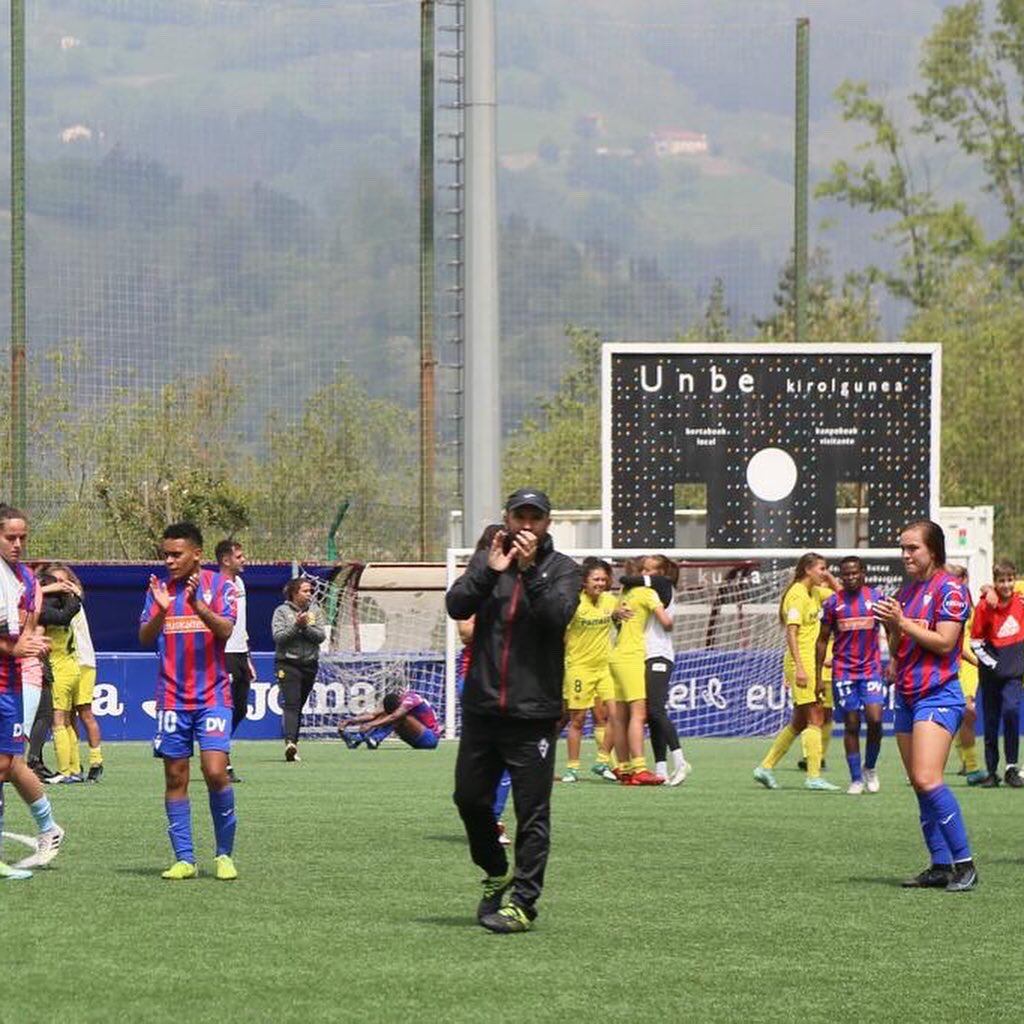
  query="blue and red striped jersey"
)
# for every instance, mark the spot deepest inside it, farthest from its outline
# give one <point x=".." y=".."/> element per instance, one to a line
<point x="856" y="654"/>
<point x="420" y="709"/>
<point x="193" y="672"/>
<point x="10" y="669"/>
<point x="943" y="598"/>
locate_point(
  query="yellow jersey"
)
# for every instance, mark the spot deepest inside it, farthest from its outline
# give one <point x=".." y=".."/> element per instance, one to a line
<point x="588" y="637"/>
<point x="802" y="608"/>
<point x="641" y="601"/>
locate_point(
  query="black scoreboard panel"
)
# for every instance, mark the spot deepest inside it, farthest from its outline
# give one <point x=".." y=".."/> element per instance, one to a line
<point x="771" y="433"/>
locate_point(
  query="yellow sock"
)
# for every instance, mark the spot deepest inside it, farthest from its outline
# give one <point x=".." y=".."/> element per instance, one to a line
<point x="76" y="760"/>
<point x="970" y="756"/>
<point x="812" y="746"/>
<point x="638" y="764"/>
<point x="826" y="739"/>
<point x="573" y="765"/>
<point x="783" y="741"/>
<point x="599" y="734"/>
<point x="95" y="756"/>
<point x="62" y="745"/>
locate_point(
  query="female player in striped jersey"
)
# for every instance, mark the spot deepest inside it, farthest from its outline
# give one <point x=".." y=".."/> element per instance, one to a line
<point x="588" y="680"/>
<point x="800" y="612"/>
<point x="924" y="623"/>
<point x="628" y="668"/>
<point x="857" y="683"/>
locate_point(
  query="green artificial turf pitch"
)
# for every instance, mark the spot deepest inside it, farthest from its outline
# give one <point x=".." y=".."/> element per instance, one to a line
<point x="715" y="901"/>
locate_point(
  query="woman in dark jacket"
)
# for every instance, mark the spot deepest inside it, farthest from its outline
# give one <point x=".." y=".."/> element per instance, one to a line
<point x="299" y="628"/>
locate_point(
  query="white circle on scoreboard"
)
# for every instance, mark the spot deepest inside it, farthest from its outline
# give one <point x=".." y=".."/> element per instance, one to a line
<point x="771" y="474"/>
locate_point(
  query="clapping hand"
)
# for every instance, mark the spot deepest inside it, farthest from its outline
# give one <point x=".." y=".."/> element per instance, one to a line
<point x="161" y="596"/>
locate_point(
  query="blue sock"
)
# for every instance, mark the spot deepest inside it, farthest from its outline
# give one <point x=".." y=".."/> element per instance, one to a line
<point x="947" y="817"/>
<point x="933" y="837"/>
<point x="179" y="829"/>
<point x="501" y="794"/>
<point x="382" y="732"/>
<point x="872" y="748"/>
<point x="222" y="808"/>
<point x="42" y="812"/>
<point x="853" y="760"/>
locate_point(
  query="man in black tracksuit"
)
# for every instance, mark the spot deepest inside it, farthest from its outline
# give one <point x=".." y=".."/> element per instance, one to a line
<point x="523" y="594"/>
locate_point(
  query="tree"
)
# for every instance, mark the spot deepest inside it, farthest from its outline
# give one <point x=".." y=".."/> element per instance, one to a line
<point x="973" y="76"/>
<point x="559" y="451"/>
<point x="846" y="312"/>
<point x="977" y="321"/>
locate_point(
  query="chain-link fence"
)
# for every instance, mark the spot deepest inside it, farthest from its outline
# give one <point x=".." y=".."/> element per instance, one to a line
<point x="222" y="236"/>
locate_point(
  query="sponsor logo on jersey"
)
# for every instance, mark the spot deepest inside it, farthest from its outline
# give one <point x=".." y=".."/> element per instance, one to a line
<point x="858" y="622"/>
<point x="183" y="624"/>
<point x="954" y="605"/>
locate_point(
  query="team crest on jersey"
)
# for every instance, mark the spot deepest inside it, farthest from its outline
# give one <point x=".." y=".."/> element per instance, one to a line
<point x="954" y="605"/>
<point x="543" y="746"/>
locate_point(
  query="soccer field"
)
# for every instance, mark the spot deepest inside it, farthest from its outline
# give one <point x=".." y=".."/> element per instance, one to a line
<point x="716" y="901"/>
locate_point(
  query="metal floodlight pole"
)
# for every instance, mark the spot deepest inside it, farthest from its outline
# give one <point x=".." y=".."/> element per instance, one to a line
<point x="803" y="43"/>
<point x="482" y="452"/>
<point x="19" y="463"/>
<point x="428" y="361"/>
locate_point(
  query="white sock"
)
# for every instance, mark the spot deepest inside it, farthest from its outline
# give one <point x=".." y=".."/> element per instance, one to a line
<point x="677" y="758"/>
<point x="659" y="769"/>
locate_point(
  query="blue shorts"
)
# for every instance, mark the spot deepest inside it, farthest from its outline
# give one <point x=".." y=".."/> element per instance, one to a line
<point x="945" y="707"/>
<point x="854" y="694"/>
<point x="12" y="729"/>
<point x="176" y="731"/>
<point x="427" y="740"/>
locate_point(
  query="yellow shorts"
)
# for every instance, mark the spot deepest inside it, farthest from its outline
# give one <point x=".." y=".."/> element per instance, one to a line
<point x="806" y="694"/>
<point x="630" y="680"/>
<point x="72" y="684"/>
<point x="583" y="683"/>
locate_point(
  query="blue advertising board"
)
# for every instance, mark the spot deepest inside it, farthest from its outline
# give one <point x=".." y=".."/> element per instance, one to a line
<point x="712" y="693"/>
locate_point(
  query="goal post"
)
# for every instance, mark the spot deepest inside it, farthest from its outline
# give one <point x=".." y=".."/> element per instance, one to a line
<point x="728" y="639"/>
<point x="388" y="631"/>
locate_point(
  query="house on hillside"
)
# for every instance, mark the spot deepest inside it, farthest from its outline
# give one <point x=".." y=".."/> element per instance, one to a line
<point x="674" y="143"/>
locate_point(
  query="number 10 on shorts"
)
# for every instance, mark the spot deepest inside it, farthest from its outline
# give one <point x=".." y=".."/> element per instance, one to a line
<point x="166" y="721"/>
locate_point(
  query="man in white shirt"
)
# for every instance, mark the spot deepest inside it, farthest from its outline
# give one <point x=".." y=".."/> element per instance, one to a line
<point x="231" y="562"/>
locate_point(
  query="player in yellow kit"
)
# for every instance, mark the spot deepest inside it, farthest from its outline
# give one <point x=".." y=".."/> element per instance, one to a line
<point x="588" y="682"/>
<point x="629" y="671"/>
<point x="800" y="612"/>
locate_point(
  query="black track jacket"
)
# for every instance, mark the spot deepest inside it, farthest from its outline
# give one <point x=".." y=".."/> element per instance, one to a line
<point x="518" y="660"/>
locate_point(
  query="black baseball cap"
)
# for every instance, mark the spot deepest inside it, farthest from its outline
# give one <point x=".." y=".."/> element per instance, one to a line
<point x="528" y="496"/>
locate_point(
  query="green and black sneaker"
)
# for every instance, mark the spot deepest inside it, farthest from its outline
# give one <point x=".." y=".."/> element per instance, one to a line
<point x="495" y="887"/>
<point x="511" y="918"/>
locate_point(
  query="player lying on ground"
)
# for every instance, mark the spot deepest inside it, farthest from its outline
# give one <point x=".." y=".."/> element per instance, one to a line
<point x="407" y="714"/>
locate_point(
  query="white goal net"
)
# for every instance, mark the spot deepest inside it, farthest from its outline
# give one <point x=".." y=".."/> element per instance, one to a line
<point x="388" y="632"/>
